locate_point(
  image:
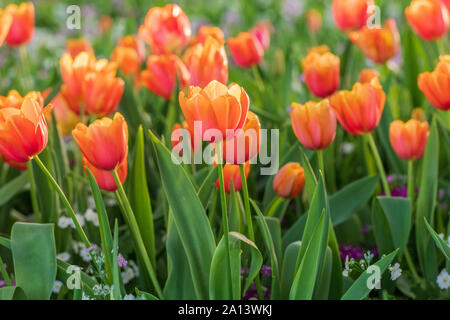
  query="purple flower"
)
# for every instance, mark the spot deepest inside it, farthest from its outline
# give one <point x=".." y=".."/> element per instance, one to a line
<point x="266" y="271"/>
<point x="355" y="252"/>
<point x="93" y="247"/>
<point x="390" y="178"/>
<point x="121" y="260"/>
<point x="365" y="228"/>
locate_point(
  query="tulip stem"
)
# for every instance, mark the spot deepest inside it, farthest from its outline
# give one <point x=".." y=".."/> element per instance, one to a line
<point x="129" y="216"/>
<point x="223" y="202"/>
<point x="320" y="161"/>
<point x="33" y="194"/>
<point x="25" y="68"/>
<point x="411" y="181"/>
<point x="379" y="164"/>
<point x="63" y="198"/>
<point x="411" y="266"/>
<point x="258" y="79"/>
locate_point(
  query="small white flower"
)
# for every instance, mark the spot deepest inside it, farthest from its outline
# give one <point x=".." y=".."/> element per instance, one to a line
<point x="443" y="280"/>
<point x="396" y="271"/>
<point x="347" y="147"/>
<point x="111" y="202"/>
<point x="63" y="256"/>
<point x="57" y="286"/>
<point x="91" y="202"/>
<point x="128" y="275"/>
<point x="441" y="235"/>
<point x="129" y="297"/>
<point x="92" y="216"/>
<point x="64" y="222"/>
<point x="80" y="219"/>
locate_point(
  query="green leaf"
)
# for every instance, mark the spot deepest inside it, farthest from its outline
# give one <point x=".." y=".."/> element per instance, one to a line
<point x="381" y="228"/>
<point x="324" y="280"/>
<point x="310" y="177"/>
<point x="204" y="192"/>
<point x="189" y="217"/>
<point x="441" y="244"/>
<point x="359" y="289"/>
<point x="34" y="255"/>
<point x="139" y="197"/>
<point x="426" y="204"/>
<point x="288" y="268"/>
<point x="12" y="293"/>
<point x="115" y="267"/>
<point x="87" y="283"/>
<point x="13" y="187"/>
<point x="142" y="295"/>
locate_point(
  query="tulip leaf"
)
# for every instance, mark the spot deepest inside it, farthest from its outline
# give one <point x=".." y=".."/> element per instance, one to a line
<point x="13" y="187"/>
<point x="204" y="192"/>
<point x="189" y="217"/>
<point x="34" y="255"/>
<point x="441" y="244"/>
<point x="12" y="293"/>
<point x="324" y="280"/>
<point x="288" y="268"/>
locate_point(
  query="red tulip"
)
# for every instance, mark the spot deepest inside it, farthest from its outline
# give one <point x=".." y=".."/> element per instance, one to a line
<point x="246" y="50"/>
<point x="350" y="14"/>
<point x="428" y="18"/>
<point x="22" y="27"/>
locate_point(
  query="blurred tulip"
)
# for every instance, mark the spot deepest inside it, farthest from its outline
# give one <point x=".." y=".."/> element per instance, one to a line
<point x="289" y="180"/>
<point x="22" y="28"/>
<point x="133" y="42"/>
<point x="377" y="43"/>
<point x="5" y="24"/>
<point x="321" y="71"/>
<point x="359" y="111"/>
<point x="409" y="139"/>
<point x="66" y="119"/>
<point x="350" y="14"/>
<point x="15" y="100"/>
<point x="206" y="62"/>
<point x="92" y="83"/>
<point x="436" y="85"/>
<point x="314" y="124"/>
<point x="104" y="143"/>
<point x="262" y="32"/>
<point x="166" y="29"/>
<point x="105" y="179"/>
<point x="446" y="4"/>
<point x="245" y="144"/>
<point x="314" y="20"/>
<point x="216" y="107"/>
<point x="209" y="31"/>
<point x="366" y="75"/>
<point x="76" y="46"/>
<point x="232" y="173"/>
<point x="105" y="23"/>
<point x="23" y="131"/>
<point x="14" y="164"/>
<point x="428" y="18"/>
<point x="418" y="114"/>
<point x="127" y="60"/>
<point x="162" y="74"/>
<point x="246" y="50"/>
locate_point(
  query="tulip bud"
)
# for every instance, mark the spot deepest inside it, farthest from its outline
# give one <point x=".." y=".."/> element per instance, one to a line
<point x="232" y="174"/>
<point x="75" y="46"/>
<point x="409" y="139"/>
<point x="289" y="180"/>
<point x="350" y="14"/>
<point x="428" y="18"/>
<point x="435" y="85"/>
<point x="314" y="20"/>
<point x="246" y="50"/>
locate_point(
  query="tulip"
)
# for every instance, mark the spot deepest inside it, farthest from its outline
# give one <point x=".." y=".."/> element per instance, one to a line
<point x="217" y="107"/>
<point x="232" y="174"/>
<point x="5" y="24"/>
<point x="418" y="114"/>
<point x="23" y="131"/>
<point x="105" y="179"/>
<point x="428" y="18"/>
<point x="409" y="139"/>
<point x="166" y="29"/>
<point x="162" y="74"/>
<point x="14" y="164"/>
<point x="314" y="124"/>
<point x="208" y="31"/>
<point x="436" y="85"/>
<point x="262" y="32"/>
<point x="321" y="71"/>
<point x="446" y="3"/>
<point x="314" y="20"/>
<point x="206" y="62"/>
<point x="76" y="46"/>
<point x="245" y="144"/>
<point x="377" y="43"/>
<point x="289" y="180"/>
<point x="350" y="14"/>
<point x="22" y="28"/>
<point x="105" y="23"/>
<point x="66" y="119"/>
<point x="127" y="60"/>
<point x="104" y="143"/>
<point x="246" y="50"/>
<point x="133" y="42"/>
<point x="15" y="100"/>
<point x="366" y="75"/>
<point x="359" y="111"/>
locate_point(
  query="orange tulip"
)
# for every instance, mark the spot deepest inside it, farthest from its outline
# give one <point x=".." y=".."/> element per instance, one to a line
<point x="418" y="114"/>
<point x="105" y="23"/>
<point x="14" y="164"/>
<point x="105" y="179"/>
<point x="436" y="85"/>
<point x="232" y="174"/>
<point x="246" y="50"/>
<point x="289" y="180"/>
<point x="66" y="119"/>
<point x="262" y="32"/>
<point x="23" y="131"/>
<point x="216" y="107"/>
<point x="350" y="14"/>
<point x="428" y="18"/>
<point x="314" y="20"/>
<point x="133" y="42"/>
<point x="446" y="3"/>
<point x="127" y="60"/>
<point x="209" y="31"/>
<point x="207" y="62"/>
<point x="377" y="43"/>
<point x="366" y="75"/>
<point x="359" y="111"/>
<point x="76" y="46"/>
<point x="162" y="73"/>
<point x="166" y="29"/>
<point x="92" y="83"/>
<point x="314" y="124"/>
<point x="5" y="24"/>
<point x="321" y="71"/>
<point x="104" y="143"/>
<point x="15" y="100"/>
<point x="409" y="139"/>
<point x="22" y="27"/>
<point x="245" y="144"/>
